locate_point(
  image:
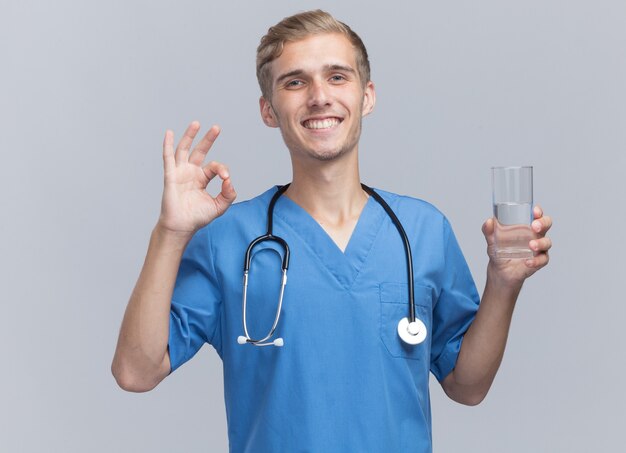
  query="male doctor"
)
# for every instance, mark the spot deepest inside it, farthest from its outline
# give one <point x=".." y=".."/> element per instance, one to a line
<point x="343" y="381"/>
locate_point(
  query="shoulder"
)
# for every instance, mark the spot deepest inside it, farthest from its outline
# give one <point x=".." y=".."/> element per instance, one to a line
<point x="407" y="206"/>
<point x="247" y="207"/>
<point x="241" y="215"/>
<point x="418" y="217"/>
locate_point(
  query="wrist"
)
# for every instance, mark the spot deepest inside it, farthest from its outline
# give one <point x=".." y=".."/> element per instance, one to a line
<point x="499" y="281"/>
<point x="171" y="238"/>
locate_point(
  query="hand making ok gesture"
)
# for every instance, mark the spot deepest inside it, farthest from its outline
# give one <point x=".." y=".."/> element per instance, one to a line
<point x="186" y="206"/>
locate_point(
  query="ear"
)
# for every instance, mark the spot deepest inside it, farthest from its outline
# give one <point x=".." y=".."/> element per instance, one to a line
<point x="369" y="98"/>
<point x="267" y="112"/>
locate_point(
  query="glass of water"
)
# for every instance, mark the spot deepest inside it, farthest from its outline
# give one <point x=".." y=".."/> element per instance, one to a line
<point x="513" y="211"/>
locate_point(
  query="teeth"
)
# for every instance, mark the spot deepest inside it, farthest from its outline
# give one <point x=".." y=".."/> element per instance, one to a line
<point x="321" y="124"/>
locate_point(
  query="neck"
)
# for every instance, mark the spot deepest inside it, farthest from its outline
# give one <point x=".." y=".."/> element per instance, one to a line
<point x="329" y="191"/>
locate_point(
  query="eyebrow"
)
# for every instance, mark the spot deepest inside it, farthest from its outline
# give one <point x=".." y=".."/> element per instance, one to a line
<point x="295" y="72"/>
<point x="328" y="67"/>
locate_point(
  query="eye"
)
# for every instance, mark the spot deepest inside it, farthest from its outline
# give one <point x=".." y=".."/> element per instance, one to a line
<point x="337" y="78"/>
<point x="294" y="83"/>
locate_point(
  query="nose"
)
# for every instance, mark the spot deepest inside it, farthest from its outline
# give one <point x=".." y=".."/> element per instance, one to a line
<point x="319" y="95"/>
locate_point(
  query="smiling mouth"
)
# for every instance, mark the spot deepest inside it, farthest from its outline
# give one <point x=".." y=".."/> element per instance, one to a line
<point x="325" y="123"/>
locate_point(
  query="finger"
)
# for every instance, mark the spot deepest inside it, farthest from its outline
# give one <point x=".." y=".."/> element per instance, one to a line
<point x="538" y="261"/>
<point x="213" y="169"/>
<point x="226" y="197"/>
<point x="537" y="212"/>
<point x="202" y="148"/>
<point x="540" y="245"/>
<point x="168" y="150"/>
<point x="182" y="150"/>
<point x="542" y="225"/>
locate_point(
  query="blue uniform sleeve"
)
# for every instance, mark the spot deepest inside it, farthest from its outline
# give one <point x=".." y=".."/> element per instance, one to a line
<point x="196" y="301"/>
<point x="455" y="307"/>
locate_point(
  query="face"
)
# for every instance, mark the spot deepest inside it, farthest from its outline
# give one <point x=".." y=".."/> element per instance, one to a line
<point x="318" y="99"/>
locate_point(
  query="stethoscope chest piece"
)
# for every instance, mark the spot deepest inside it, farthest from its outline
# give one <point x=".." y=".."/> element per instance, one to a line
<point x="412" y="333"/>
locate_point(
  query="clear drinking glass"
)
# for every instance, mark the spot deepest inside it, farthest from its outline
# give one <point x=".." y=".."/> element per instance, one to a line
<point x="513" y="211"/>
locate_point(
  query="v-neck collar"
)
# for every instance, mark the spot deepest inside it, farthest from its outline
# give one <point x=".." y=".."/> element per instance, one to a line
<point x="345" y="266"/>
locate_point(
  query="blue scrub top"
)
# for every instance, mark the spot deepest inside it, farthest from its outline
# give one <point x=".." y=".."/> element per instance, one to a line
<point x="343" y="381"/>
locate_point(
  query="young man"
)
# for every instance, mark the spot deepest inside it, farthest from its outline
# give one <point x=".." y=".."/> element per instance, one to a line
<point x="344" y="380"/>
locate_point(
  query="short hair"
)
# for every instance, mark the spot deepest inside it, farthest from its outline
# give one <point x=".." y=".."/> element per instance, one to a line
<point x="301" y="26"/>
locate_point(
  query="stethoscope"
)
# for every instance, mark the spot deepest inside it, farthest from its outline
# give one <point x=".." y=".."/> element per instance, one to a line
<point x="410" y="329"/>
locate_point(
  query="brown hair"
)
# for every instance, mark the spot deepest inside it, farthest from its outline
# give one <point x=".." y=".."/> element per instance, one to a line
<point x="297" y="27"/>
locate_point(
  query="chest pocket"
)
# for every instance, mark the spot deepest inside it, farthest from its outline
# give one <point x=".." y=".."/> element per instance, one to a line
<point x="394" y="305"/>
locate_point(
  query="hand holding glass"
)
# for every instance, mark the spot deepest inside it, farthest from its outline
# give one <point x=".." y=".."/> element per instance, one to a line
<point x="513" y="211"/>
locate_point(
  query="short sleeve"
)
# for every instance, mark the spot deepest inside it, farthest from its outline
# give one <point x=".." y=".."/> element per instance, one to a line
<point x="454" y="309"/>
<point x="196" y="301"/>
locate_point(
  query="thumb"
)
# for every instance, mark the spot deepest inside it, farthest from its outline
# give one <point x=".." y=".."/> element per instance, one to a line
<point x="226" y="197"/>
<point x="488" y="229"/>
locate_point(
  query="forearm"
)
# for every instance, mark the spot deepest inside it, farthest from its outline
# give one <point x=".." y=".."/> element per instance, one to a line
<point x="484" y="343"/>
<point x="141" y="360"/>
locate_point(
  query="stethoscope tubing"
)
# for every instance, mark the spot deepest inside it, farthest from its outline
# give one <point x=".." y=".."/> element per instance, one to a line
<point x="261" y="342"/>
<point x="407" y="247"/>
<point x="270" y="237"/>
<point x="267" y="237"/>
